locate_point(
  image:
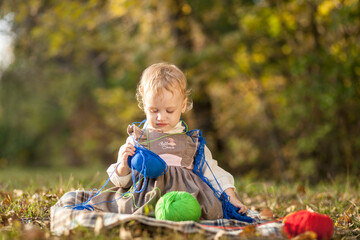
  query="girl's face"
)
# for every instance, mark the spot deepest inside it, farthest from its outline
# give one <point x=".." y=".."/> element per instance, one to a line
<point x="163" y="110"/>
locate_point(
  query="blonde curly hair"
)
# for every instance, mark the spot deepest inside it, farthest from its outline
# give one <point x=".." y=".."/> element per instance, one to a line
<point x="163" y="76"/>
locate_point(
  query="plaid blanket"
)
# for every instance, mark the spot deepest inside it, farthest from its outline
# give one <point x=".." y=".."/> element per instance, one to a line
<point x="63" y="219"/>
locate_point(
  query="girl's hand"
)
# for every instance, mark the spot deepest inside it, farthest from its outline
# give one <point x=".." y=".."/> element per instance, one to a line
<point x="235" y="200"/>
<point x="125" y="151"/>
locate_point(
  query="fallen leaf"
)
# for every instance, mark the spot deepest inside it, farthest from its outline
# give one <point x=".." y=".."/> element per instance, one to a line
<point x="248" y="231"/>
<point x="10" y="219"/>
<point x="300" y="189"/>
<point x="220" y="234"/>
<point x="7" y="201"/>
<point x="344" y="220"/>
<point x="99" y="225"/>
<point x="51" y="196"/>
<point x="18" y="192"/>
<point x="266" y="214"/>
<point x="309" y="208"/>
<point x="290" y="209"/>
<point x="309" y="235"/>
<point x="124" y="234"/>
<point x="31" y="232"/>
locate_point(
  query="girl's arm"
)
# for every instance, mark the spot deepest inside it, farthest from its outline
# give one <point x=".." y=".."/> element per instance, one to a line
<point x="235" y="200"/>
<point x="225" y="180"/>
<point x="216" y="174"/>
<point x="121" y="176"/>
<point x="118" y="181"/>
<point x="125" y="151"/>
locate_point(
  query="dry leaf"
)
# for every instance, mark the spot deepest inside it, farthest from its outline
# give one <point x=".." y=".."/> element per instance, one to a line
<point x="51" y="196"/>
<point x="18" y="192"/>
<point x="301" y="190"/>
<point x="344" y="220"/>
<point x="248" y="231"/>
<point x="10" y="219"/>
<point x="220" y="234"/>
<point x="309" y="208"/>
<point x="283" y="233"/>
<point x="99" y="225"/>
<point x="290" y="209"/>
<point x="309" y="235"/>
<point x="125" y="234"/>
<point x="266" y="214"/>
<point x="347" y="219"/>
<point x="7" y="201"/>
<point x="32" y="232"/>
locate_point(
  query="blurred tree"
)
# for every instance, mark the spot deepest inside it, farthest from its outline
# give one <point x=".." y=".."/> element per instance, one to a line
<point x="275" y="84"/>
<point x="302" y="55"/>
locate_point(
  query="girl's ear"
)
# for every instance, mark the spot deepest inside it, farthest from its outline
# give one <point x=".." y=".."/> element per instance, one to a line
<point x="183" y="108"/>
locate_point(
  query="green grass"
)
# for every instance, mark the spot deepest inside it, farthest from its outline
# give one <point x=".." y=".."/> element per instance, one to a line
<point x="26" y="195"/>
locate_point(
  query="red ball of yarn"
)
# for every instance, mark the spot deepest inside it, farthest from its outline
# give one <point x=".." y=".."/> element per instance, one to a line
<point x="302" y="221"/>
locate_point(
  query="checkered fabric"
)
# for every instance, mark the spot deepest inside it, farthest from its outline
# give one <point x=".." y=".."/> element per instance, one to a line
<point x="63" y="219"/>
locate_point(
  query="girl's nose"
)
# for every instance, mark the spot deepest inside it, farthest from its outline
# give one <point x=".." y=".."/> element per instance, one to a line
<point x="160" y="116"/>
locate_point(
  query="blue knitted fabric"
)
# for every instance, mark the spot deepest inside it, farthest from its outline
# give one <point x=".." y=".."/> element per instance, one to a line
<point x="148" y="164"/>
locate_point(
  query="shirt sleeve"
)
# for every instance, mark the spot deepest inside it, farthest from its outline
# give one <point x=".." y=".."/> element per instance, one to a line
<point x="216" y="174"/>
<point x="120" y="181"/>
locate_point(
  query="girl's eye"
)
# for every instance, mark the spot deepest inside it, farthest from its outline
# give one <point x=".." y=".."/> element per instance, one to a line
<point x="153" y="110"/>
<point x="169" y="111"/>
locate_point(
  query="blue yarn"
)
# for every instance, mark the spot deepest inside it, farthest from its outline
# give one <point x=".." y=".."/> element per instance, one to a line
<point x="83" y="206"/>
<point x="229" y="210"/>
<point x="146" y="162"/>
<point x="86" y="205"/>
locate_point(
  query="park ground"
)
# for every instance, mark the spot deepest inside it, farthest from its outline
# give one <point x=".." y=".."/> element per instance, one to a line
<point x="26" y="196"/>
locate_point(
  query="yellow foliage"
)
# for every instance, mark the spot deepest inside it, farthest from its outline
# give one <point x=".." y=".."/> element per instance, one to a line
<point x="274" y="25"/>
<point x="242" y="59"/>
<point x="186" y="9"/>
<point x="289" y="20"/>
<point x="246" y="111"/>
<point x="243" y="150"/>
<point x="357" y="71"/>
<point x="118" y="8"/>
<point x="118" y="107"/>
<point x="286" y="49"/>
<point x="349" y="2"/>
<point x="325" y="7"/>
<point x="272" y="82"/>
<point x="249" y="22"/>
<point x="34" y="6"/>
<point x="56" y="41"/>
<point x="258" y="57"/>
<point x="335" y="48"/>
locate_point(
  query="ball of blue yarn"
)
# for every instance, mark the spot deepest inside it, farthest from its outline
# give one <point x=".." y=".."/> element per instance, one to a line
<point x="178" y="206"/>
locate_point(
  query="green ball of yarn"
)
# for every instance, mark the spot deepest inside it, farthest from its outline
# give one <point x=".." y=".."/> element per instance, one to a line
<point x="178" y="206"/>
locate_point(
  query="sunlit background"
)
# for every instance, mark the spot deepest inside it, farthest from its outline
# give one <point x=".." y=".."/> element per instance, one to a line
<point x="275" y="84"/>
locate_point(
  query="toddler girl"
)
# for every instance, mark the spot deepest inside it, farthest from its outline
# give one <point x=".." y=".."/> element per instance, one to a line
<point x="163" y="96"/>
